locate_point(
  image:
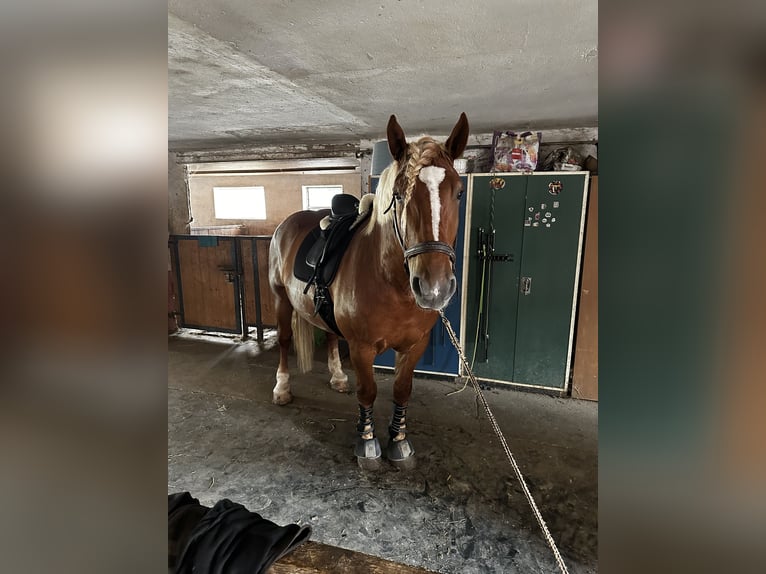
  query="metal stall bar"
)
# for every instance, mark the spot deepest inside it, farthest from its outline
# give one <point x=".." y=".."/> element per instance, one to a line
<point x="257" y="289"/>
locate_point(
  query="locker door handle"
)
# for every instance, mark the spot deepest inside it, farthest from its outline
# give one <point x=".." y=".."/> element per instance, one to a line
<point x="526" y="285"/>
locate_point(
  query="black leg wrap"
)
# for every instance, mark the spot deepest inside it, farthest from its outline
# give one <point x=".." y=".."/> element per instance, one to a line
<point x="398" y="425"/>
<point x="400" y="451"/>
<point x="366" y="425"/>
<point x="367" y="449"/>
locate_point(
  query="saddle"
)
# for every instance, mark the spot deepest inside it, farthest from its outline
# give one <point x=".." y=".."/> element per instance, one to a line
<point x="321" y="252"/>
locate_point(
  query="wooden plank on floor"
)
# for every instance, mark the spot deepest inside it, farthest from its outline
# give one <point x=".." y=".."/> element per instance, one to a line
<point x="315" y="558"/>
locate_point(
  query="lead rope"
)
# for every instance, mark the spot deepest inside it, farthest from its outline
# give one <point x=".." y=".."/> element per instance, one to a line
<point x="507" y="450"/>
<point x="478" y="324"/>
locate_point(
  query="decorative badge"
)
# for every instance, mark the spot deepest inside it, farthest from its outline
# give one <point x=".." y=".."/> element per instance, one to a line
<point x="555" y="187"/>
<point x="497" y="183"/>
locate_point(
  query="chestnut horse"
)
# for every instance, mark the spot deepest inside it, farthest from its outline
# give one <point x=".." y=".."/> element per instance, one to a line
<point x="397" y="273"/>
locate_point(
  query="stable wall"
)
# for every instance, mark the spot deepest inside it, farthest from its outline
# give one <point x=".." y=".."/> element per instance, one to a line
<point x="178" y="198"/>
<point x="283" y="192"/>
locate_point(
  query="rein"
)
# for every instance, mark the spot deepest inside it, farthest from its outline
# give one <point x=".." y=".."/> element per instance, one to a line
<point x="418" y="248"/>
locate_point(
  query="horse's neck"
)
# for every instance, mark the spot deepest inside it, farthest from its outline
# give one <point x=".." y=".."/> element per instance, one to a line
<point x="389" y="254"/>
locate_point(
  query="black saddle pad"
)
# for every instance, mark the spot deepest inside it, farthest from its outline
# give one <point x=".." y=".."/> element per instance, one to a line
<point x="333" y="242"/>
<point x="302" y="270"/>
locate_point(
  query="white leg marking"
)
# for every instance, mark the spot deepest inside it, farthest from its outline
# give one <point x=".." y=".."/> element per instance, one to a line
<point x="281" y="393"/>
<point x="432" y="176"/>
<point x="339" y="379"/>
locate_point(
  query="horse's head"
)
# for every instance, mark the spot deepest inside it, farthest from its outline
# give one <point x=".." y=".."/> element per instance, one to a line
<point x="426" y="199"/>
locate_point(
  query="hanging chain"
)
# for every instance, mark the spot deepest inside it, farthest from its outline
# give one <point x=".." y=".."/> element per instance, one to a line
<point x="509" y="454"/>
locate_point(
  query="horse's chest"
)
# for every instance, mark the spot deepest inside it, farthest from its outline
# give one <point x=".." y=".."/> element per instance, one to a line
<point x="402" y="331"/>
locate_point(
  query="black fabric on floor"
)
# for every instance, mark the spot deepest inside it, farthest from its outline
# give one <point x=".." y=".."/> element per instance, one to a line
<point x="225" y="539"/>
<point x="184" y="513"/>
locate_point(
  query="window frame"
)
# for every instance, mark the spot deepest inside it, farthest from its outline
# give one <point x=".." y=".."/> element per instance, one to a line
<point x="306" y="190"/>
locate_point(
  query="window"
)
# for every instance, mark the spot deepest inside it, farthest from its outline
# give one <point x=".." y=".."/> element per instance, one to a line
<point x="319" y="196"/>
<point x="239" y="202"/>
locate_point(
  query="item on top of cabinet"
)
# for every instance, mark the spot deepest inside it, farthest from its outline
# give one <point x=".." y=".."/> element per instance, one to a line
<point x="460" y="165"/>
<point x="515" y="151"/>
<point x="479" y="159"/>
<point x="562" y="159"/>
<point x="591" y="164"/>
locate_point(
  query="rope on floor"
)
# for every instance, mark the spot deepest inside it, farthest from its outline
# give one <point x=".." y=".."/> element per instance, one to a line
<point x="509" y="454"/>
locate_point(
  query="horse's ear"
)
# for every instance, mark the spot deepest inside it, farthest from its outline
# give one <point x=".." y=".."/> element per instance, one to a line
<point x="455" y="144"/>
<point x="397" y="144"/>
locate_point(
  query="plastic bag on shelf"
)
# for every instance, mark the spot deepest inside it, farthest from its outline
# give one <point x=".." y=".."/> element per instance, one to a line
<point x="513" y="151"/>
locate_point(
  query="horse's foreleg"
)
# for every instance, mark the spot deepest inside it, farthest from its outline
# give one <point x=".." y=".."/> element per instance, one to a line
<point x="281" y="394"/>
<point x="338" y="379"/>
<point x="367" y="448"/>
<point x="399" y="450"/>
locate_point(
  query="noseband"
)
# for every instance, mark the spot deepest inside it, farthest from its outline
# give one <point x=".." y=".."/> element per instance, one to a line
<point x="418" y="248"/>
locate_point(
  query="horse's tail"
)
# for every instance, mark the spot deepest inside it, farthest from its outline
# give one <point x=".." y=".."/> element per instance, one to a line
<point x="303" y="338"/>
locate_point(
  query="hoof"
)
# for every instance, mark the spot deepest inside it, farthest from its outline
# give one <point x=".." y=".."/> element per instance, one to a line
<point x="405" y="464"/>
<point x="369" y="463"/>
<point x="340" y="384"/>
<point x="401" y="454"/>
<point x="282" y="398"/>
<point x="368" y="454"/>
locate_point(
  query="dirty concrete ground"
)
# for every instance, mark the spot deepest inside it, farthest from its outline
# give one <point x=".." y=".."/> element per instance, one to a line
<point x="460" y="511"/>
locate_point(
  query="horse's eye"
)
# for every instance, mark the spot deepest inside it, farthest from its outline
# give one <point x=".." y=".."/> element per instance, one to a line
<point x="460" y="193"/>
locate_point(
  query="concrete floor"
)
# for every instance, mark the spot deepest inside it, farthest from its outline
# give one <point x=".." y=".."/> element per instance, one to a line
<point x="460" y="511"/>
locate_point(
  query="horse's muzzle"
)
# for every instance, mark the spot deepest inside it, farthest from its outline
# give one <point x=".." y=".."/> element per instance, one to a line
<point x="433" y="295"/>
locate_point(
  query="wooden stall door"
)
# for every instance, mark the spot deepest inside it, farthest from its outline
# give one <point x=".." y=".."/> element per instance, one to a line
<point x="255" y="272"/>
<point x="208" y="283"/>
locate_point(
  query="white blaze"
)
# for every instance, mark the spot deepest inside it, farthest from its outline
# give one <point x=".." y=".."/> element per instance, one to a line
<point x="432" y="176"/>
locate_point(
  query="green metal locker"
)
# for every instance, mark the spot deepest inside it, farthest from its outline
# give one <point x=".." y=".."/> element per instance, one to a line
<point x="520" y="303"/>
<point x="489" y="334"/>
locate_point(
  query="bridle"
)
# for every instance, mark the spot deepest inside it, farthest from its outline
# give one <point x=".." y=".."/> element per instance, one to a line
<point x="418" y="248"/>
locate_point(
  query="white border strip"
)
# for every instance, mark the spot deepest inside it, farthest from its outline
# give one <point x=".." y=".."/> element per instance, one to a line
<point x="513" y="384"/>
<point x="576" y="281"/>
<point x="466" y="261"/>
<point x="259" y="173"/>
<point x="274" y="164"/>
<point x="439" y="373"/>
<point x="499" y="382"/>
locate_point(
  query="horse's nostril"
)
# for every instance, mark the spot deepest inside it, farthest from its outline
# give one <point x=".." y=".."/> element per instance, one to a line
<point x="416" y="286"/>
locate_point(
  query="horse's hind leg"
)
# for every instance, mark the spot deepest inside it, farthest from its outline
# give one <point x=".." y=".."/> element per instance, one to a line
<point x="338" y="379"/>
<point x="281" y="393"/>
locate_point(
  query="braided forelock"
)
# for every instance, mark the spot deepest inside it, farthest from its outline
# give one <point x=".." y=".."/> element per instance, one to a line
<point x="422" y="153"/>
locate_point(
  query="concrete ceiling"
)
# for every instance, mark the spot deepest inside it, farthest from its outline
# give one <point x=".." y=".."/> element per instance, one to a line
<point x="271" y="72"/>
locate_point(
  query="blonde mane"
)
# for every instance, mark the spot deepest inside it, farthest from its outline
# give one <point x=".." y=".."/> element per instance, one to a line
<point x="421" y="154"/>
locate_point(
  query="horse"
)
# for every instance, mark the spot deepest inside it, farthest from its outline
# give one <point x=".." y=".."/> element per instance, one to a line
<point x="396" y="275"/>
